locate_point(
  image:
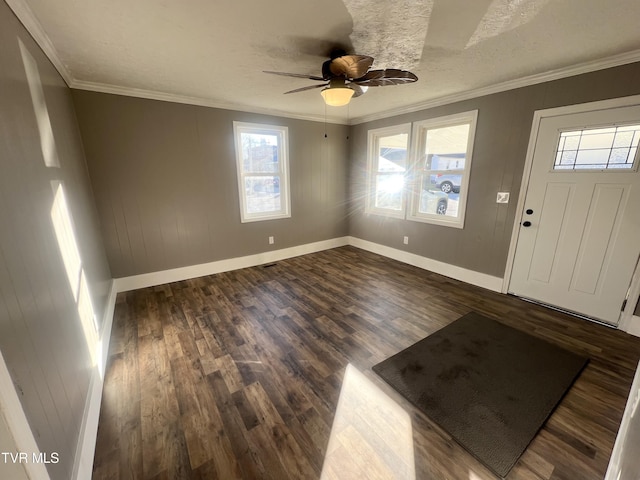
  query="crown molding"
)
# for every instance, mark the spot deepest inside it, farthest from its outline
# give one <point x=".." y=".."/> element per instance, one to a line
<point x="202" y="102"/>
<point x="556" y="74"/>
<point x="28" y="19"/>
<point x="33" y="26"/>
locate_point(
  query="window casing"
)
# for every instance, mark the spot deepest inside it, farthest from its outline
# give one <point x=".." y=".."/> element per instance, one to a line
<point x="442" y="163"/>
<point x="263" y="172"/>
<point x="388" y="163"/>
<point x="421" y="172"/>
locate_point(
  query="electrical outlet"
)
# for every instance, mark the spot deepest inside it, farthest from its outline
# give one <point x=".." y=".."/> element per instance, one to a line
<point x="406" y="240"/>
<point x="503" y="197"/>
<point x="271" y="241"/>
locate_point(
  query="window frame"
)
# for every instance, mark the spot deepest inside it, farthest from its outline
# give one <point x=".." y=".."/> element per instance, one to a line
<point x="372" y="169"/>
<point x="418" y="140"/>
<point x="282" y="133"/>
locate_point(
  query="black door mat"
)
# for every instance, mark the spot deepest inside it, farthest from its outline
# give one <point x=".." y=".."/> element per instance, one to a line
<point x="490" y="386"/>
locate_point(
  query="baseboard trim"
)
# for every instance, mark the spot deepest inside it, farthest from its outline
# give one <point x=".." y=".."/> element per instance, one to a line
<point x="86" y="448"/>
<point x="463" y="274"/>
<point x="621" y="455"/>
<point x="633" y="326"/>
<point x="124" y="284"/>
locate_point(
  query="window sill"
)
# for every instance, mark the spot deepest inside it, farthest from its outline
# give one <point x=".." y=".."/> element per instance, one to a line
<point x="264" y="217"/>
<point x="385" y="213"/>
<point x="438" y="220"/>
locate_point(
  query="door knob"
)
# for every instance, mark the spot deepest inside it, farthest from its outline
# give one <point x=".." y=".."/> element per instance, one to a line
<point x="526" y="224"/>
<point x="529" y="211"/>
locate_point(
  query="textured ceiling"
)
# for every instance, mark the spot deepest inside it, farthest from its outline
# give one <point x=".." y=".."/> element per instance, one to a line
<point x="213" y="52"/>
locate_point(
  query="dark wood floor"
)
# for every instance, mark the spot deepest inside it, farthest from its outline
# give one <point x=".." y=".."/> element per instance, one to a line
<point x="237" y="375"/>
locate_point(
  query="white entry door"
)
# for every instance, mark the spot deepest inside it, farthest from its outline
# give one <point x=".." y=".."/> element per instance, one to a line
<point x="579" y="236"/>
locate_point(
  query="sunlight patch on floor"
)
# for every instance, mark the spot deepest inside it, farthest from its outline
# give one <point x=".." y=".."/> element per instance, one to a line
<point x="371" y="436"/>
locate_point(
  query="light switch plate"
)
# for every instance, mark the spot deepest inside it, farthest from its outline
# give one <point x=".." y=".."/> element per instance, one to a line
<point x="503" y="197"/>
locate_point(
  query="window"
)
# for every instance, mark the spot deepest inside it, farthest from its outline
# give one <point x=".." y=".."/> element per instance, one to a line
<point x="387" y="168"/>
<point x="432" y="178"/>
<point x="598" y="148"/>
<point x="263" y="174"/>
<point x="443" y="149"/>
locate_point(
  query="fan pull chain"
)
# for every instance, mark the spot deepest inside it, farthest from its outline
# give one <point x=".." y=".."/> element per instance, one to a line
<point x="348" y="117"/>
<point x="325" y="121"/>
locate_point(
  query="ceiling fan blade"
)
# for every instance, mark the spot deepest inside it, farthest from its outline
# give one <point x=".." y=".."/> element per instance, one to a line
<point x="296" y="75"/>
<point x="351" y="66"/>
<point x="357" y="89"/>
<point x="311" y="87"/>
<point x="390" y="76"/>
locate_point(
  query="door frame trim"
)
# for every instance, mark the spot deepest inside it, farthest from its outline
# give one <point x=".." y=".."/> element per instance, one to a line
<point x="538" y="115"/>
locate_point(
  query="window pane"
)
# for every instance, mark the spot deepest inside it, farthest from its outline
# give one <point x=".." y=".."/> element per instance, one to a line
<point x="623" y="139"/>
<point x="599" y="140"/>
<point x="572" y="142"/>
<point x="432" y="201"/>
<point x="568" y="157"/>
<point x="445" y="148"/>
<point x="592" y="158"/>
<point x="388" y="192"/>
<point x="447" y="183"/>
<point x="259" y="153"/>
<point x="262" y="194"/>
<point x="620" y="155"/>
<point x="392" y="153"/>
<point x="561" y="146"/>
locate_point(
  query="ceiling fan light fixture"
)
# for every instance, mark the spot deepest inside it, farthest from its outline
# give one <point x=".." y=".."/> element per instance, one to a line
<point x="349" y="76"/>
<point x="337" y="96"/>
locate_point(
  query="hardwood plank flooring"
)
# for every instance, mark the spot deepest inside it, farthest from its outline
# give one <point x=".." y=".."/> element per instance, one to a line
<point x="238" y="375"/>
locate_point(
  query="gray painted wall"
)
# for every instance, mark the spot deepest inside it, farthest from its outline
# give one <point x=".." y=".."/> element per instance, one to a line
<point x="164" y="177"/>
<point x="502" y="136"/>
<point x="41" y="337"/>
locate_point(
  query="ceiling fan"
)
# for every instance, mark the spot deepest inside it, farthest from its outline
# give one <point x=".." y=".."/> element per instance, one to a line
<point x="345" y="76"/>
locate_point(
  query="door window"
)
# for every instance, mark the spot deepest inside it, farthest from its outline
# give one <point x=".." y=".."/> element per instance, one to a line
<point x="598" y="149"/>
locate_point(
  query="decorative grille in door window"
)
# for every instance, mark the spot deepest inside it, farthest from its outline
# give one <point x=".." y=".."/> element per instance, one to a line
<point x="598" y="149"/>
